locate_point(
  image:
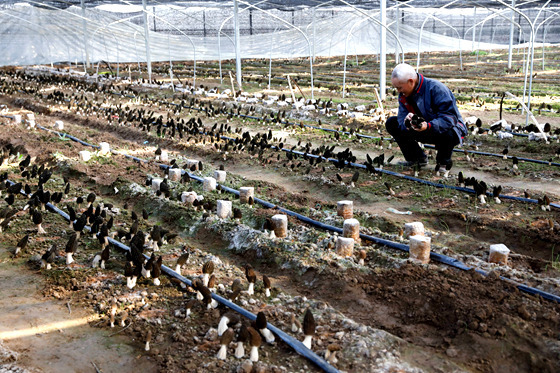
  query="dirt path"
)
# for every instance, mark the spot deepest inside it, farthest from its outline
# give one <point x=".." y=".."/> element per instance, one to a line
<point x="51" y="339"/>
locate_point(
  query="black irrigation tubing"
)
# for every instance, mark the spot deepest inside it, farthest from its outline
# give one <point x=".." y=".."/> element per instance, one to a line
<point x="351" y="164"/>
<point x="357" y="165"/>
<point x="395" y="245"/>
<point x="529" y="160"/>
<point x="298" y="346"/>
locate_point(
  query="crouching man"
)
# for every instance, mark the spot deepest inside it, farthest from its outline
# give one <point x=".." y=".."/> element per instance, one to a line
<point x="428" y="114"/>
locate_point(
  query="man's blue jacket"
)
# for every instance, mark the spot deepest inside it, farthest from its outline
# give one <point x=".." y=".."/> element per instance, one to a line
<point x="436" y="104"/>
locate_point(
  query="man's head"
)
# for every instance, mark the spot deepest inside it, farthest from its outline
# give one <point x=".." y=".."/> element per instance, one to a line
<point x="404" y="78"/>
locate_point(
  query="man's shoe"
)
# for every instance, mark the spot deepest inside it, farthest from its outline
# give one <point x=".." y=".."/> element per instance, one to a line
<point x="422" y="163"/>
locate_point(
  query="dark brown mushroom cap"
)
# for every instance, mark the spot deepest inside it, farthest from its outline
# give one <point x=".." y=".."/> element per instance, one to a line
<point x="91" y="197"/>
<point x="23" y="242"/>
<point x="206" y="293"/>
<point x="212" y="281"/>
<point x="37" y="217"/>
<point x="183" y="259"/>
<point x="260" y="322"/>
<point x="192" y="303"/>
<point x="250" y="274"/>
<point x="308" y="323"/>
<point x="227" y="337"/>
<point x="208" y="267"/>
<point x="266" y="282"/>
<point x="236" y="285"/>
<point x="255" y="339"/>
<point x="72" y="244"/>
<point x="243" y="335"/>
<point x="196" y="284"/>
<point x="334" y="347"/>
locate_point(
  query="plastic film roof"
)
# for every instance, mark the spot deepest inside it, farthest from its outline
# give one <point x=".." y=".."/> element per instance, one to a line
<point x="36" y="32"/>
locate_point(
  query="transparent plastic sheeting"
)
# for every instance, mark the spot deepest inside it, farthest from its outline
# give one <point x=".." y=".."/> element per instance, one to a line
<point x="32" y="35"/>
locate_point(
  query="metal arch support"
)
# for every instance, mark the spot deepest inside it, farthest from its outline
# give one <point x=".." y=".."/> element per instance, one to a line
<point x="346" y="53"/>
<point x="383" y="49"/>
<point x="57" y="9"/>
<point x="113" y="23"/>
<point x="64" y="11"/>
<point x="382" y="62"/>
<point x="100" y="28"/>
<point x="33" y="26"/>
<point x="237" y="39"/>
<point x="147" y="40"/>
<point x="270" y="57"/>
<point x="313" y="22"/>
<point x="219" y="32"/>
<point x="377" y="21"/>
<point x="510" y="49"/>
<point x="551" y="18"/>
<point x="296" y="28"/>
<point x="180" y="31"/>
<point x="136" y="53"/>
<point x="84" y="26"/>
<point x="487" y="18"/>
<point x="497" y="13"/>
<point x="230" y="39"/>
<point x="420" y="40"/>
<point x="532" y="59"/>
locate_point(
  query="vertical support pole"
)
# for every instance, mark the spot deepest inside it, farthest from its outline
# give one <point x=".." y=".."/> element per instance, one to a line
<point x="118" y="62"/>
<point x="204" y="22"/>
<point x="510" y="53"/>
<point x="84" y="26"/>
<point x="383" y="48"/>
<point x="237" y="43"/>
<point x="473" y="29"/>
<point x="519" y="32"/>
<point x="154" y="13"/>
<point x="170" y="62"/>
<point x="270" y="57"/>
<point x="543" y="42"/>
<point x="398" y="30"/>
<point x="532" y="57"/>
<point x="493" y="31"/>
<point x="313" y="24"/>
<point x="250" y="21"/>
<point x="147" y="40"/>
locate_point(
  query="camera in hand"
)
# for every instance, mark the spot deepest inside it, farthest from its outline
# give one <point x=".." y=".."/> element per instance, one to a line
<point x="415" y="121"/>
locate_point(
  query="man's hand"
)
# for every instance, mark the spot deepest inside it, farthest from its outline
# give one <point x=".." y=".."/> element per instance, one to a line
<point x="409" y="116"/>
<point x="408" y="120"/>
<point x="423" y="127"/>
<point x="417" y="123"/>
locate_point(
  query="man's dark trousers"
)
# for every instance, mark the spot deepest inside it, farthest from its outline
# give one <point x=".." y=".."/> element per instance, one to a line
<point x="408" y="139"/>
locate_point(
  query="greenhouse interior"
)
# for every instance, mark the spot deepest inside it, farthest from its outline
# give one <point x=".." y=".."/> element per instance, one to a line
<point x="258" y="186"/>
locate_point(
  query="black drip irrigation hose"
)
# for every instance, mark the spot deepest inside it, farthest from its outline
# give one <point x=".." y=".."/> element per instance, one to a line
<point x="402" y="176"/>
<point x="351" y="164"/>
<point x="298" y="346"/>
<point x="444" y="259"/>
<point x="429" y="146"/>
